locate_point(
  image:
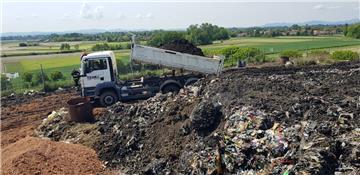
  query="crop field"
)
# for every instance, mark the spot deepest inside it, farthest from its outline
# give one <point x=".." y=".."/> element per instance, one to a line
<point x="278" y="44"/>
<point x="12" y="48"/>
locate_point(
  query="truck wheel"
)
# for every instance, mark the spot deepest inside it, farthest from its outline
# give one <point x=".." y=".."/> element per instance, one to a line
<point x="108" y="98"/>
<point x="171" y="88"/>
<point x="191" y="81"/>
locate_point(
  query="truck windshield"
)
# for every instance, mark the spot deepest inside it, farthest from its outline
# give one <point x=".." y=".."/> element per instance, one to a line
<point x="95" y="64"/>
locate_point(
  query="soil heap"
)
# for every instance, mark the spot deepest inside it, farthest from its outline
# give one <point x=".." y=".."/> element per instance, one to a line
<point x="271" y="120"/>
<point x="37" y="156"/>
<point x="183" y="46"/>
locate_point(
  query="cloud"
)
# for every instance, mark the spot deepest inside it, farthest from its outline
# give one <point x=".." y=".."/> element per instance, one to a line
<point x="34" y="16"/>
<point x="334" y="7"/>
<point x="87" y="12"/>
<point x="322" y="7"/>
<point x="144" y="16"/>
<point x="121" y="16"/>
<point x="66" y="16"/>
<point x="149" y="15"/>
<point x="139" y="16"/>
<point x="17" y="18"/>
<point x="318" y="7"/>
<point x="99" y="12"/>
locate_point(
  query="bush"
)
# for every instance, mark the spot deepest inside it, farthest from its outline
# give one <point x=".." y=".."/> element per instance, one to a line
<point x="345" y="55"/>
<point x="52" y="86"/>
<point x="22" y="44"/>
<point x="27" y="76"/>
<point x="65" y="46"/>
<point x="228" y="51"/>
<point x="248" y="54"/>
<point x="320" y="55"/>
<point x="37" y="79"/>
<point x="305" y="61"/>
<point x="128" y="46"/>
<point x="5" y="83"/>
<point x="291" y="54"/>
<point x="57" y="75"/>
<point x="122" y="68"/>
<point x="100" y="47"/>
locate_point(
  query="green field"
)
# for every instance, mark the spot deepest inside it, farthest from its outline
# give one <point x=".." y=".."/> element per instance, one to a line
<point x="278" y="44"/>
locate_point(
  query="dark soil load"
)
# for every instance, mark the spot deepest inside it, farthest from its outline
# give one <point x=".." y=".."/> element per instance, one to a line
<point x="183" y="46"/>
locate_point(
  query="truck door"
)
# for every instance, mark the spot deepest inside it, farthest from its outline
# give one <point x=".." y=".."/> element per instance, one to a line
<point x="97" y="71"/>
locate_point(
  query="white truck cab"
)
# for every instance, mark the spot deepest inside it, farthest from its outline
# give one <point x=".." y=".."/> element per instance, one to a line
<point x="97" y="68"/>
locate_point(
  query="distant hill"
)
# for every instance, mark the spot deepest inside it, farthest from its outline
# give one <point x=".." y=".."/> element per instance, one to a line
<point x="315" y="22"/>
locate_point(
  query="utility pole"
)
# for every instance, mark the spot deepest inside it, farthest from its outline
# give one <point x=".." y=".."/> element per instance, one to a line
<point x="42" y="77"/>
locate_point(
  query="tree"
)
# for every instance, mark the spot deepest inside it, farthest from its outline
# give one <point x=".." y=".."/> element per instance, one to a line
<point x="353" y="31"/>
<point x="76" y="46"/>
<point x="206" y="33"/>
<point x="65" y="46"/>
<point x="163" y="37"/>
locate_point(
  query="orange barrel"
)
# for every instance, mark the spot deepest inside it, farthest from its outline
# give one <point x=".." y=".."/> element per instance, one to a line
<point x="80" y="110"/>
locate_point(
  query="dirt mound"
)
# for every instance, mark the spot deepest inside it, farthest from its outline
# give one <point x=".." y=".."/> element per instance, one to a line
<point x="37" y="156"/>
<point x="183" y="46"/>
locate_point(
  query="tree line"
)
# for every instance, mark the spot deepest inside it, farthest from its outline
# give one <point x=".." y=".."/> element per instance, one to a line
<point x="201" y="34"/>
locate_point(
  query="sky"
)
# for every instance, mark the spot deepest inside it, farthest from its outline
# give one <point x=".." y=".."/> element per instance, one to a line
<point x="56" y="16"/>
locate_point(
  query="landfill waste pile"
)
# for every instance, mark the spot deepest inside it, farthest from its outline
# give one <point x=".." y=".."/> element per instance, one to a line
<point x="59" y="127"/>
<point x="276" y="120"/>
<point x="183" y="46"/>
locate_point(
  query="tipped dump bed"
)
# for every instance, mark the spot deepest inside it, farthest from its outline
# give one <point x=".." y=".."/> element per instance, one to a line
<point x="176" y="60"/>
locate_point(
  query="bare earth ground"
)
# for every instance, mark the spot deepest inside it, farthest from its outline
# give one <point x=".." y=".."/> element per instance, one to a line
<point x="22" y="114"/>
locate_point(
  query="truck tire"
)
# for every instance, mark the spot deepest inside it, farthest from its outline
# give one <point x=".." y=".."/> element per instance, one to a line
<point x="170" y="88"/>
<point x="191" y="81"/>
<point x="108" y="98"/>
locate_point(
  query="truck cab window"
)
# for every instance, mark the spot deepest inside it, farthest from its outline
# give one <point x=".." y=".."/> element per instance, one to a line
<point x="96" y="64"/>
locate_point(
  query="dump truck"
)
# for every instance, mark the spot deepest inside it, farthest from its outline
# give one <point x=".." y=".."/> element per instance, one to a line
<point x="98" y="74"/>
